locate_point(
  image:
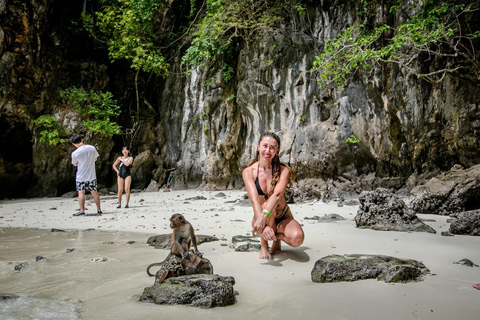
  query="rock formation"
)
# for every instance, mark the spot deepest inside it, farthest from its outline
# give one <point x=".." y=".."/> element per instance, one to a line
<point x="466" y="223"/>
<point x="381" y="210"/>
<point x="202" y="291"/>
<point x="207" y="127"/>
<point x="452" y="191"/>
<point x="353" y="267"/>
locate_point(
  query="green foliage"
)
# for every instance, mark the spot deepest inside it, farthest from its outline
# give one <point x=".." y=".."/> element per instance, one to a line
<point x="100" y="108"/>
<point x="302" y="118"/>
<point x="437" y="30"/>
<point x="53" y="132"/>
<point x="352" y="140"/>
<point x="231" y="97"/>
<point x="126" y="27"/>
<point x="227" y="21"/>
<point x="227" y="72"/>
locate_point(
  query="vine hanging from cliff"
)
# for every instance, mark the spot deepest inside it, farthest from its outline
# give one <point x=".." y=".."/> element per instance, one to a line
<point x="446" y="31"/>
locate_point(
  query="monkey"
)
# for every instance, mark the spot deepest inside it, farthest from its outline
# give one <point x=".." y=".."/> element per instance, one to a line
<point x="183" y="237"/>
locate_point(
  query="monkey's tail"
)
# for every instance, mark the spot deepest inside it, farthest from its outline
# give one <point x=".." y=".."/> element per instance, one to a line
<point x="153" y="265"/>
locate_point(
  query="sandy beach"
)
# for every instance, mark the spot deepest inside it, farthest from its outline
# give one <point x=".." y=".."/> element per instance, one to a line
<point x="276" y="289"/>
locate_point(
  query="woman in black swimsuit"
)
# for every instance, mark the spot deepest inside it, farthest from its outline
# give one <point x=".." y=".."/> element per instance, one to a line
<point x="272" y="217"/>
<point x="124" y="179"/>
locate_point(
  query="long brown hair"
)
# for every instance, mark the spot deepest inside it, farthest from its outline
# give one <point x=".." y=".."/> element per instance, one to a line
<point x="275" y="164"/>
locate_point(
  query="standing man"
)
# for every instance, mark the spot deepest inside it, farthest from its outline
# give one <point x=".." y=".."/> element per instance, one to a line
<point x="86" y="179"/>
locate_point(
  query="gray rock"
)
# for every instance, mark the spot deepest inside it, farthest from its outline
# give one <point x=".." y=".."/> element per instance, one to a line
<point x="353" y="267"/>
<point x="331" y="217"/>
<point x="467" y="223"/>
<point x="452" y="191"/>
<point x="240" y="238"/>
<point x="381" y="210"/>
<point x="162" y="241"/>
<point x="202" y="291"/>
<point x="8" y="296"/>
<point x="142" y="167"/>
<point x="466" y="262"/>
<point x="153" y="186"/>
<point x="248" y="247"/>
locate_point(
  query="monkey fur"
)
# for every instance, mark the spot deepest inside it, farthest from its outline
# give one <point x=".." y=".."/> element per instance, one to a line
<point x="183" y="237"/>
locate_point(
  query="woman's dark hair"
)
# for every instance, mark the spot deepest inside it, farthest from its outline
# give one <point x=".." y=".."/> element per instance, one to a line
<point x="275" y="164"/>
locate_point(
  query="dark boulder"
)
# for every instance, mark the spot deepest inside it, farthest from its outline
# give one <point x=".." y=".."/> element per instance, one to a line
<point x="176" y="267"/>
<point x="467" y="223"/>
<point x="381" y="210"/>
<point x="200" y="290"/>
<point x="353" y="267"/>
<point x="453" y="191"/>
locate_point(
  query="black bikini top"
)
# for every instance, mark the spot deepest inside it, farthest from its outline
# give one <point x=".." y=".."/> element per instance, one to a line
<point x="259" y="189"/>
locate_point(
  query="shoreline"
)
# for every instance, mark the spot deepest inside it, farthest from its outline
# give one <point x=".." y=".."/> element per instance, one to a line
<point x="280" y="288"/>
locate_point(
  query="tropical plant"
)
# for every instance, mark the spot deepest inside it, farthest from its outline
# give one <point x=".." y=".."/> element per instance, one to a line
<point x="98" y="107"/>
<point x="53" y="133"/>
<point x="439" y="30"/>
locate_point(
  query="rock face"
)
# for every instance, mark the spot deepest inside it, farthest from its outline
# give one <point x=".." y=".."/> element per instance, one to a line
<point x="207" y="127"/>
<point x="467" y="223"/>
<point x="452" y="191"/>
<point x="353" y="267"/>
<point x="381" y="210"/>
<point x="202" y="291"/>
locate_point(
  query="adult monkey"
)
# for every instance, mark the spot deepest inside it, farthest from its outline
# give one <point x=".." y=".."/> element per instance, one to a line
<point x="183" y="237"/>
<point x="272" y="218"/>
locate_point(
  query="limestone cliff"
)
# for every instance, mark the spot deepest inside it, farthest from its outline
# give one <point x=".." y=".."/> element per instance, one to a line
<point x="207" y="127"/>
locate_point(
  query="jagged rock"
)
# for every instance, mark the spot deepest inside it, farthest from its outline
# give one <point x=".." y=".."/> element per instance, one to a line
<point x="453" y="191"/>
<point x="162" y="241"/>
<point x="20" y="266"/>
<point x="197" y="198"/>
<point x="70" y="194"/>
<point x="202" y="291"/>
<point x="142" y="167"/>
<point x="220" y="195"/>
<point x="381" y="210"/>
<point x="331" y="217"/>
<point x="353" y="267"/>
<point x="8" y="296"/>
<point x="248" y="247"/>
<point x="467" y="223"/>
<point x="177" y="266"/>
<point x="240" y="238"/>
<point x="153" y="186"/>
<point x="466" y="262"/>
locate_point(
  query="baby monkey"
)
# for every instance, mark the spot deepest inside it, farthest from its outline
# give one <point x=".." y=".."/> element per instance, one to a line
<point x="183" y="237"/>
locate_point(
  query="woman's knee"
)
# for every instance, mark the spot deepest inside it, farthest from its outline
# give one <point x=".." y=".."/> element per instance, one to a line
<point x="296" y="238"/>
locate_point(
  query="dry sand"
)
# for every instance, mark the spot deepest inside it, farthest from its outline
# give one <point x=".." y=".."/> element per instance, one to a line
<point x="277" y="289"/>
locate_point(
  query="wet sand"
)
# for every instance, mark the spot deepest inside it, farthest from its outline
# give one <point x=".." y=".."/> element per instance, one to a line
<point x="280" y="289"/>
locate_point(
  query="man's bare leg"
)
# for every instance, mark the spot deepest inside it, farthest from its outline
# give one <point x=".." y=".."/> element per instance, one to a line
<point x="96" y="198"/>
<point x="81" y="200"/>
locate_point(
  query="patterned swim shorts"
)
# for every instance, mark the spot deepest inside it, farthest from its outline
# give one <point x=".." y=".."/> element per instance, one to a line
<point x="87" y="185"/>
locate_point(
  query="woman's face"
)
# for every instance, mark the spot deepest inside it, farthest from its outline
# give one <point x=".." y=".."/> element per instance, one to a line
<point x="125" y="151"/>
<point x="268" y="148"/>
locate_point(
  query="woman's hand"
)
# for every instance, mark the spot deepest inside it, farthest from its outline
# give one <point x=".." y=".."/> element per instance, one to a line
<point x="268" y="234"/>
<point x="259" y="224"/>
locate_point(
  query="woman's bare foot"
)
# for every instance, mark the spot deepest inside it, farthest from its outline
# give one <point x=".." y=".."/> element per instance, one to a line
<point x="477" y="286"/>
<point x="276" y="247"/>
<point x="264" y="254"/>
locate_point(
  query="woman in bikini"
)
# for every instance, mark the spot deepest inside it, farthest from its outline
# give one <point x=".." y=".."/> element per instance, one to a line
<point x="266" y="179"/>
<point x="124" y="179"/>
